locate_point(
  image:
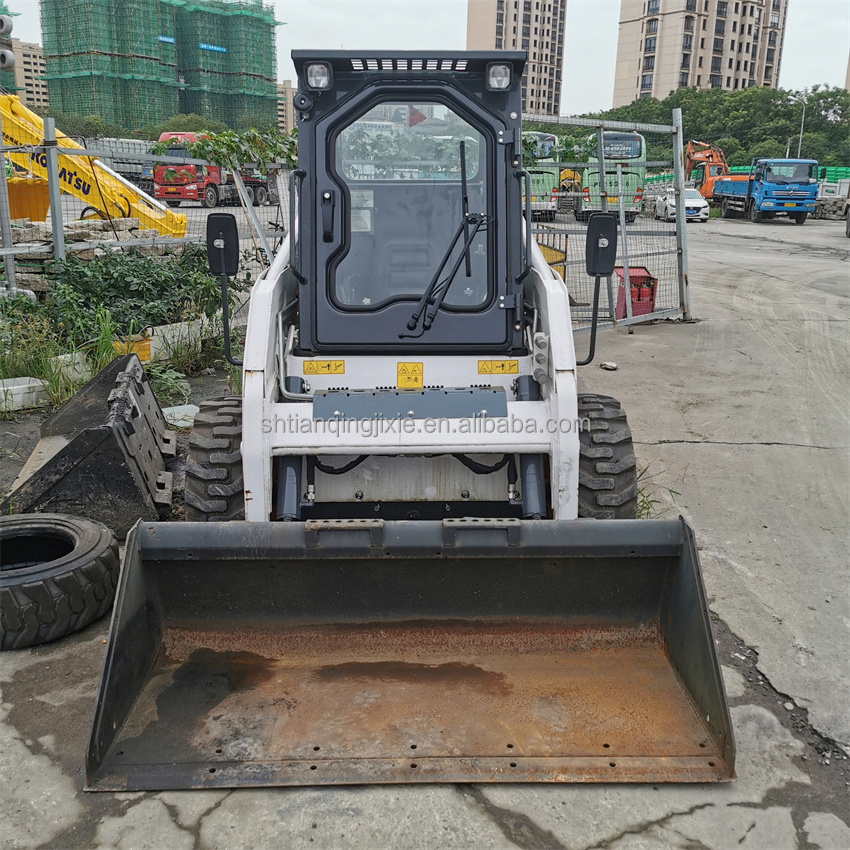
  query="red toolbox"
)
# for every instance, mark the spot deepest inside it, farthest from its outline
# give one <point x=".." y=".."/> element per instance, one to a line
<point x="643" y="286"/>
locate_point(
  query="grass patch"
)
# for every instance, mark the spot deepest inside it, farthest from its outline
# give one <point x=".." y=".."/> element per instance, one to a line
<point x="648" y="503"/>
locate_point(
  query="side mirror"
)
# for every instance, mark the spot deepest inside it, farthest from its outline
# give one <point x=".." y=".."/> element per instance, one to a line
<point x="222" y="244"/>
<point x="601" y="245"/>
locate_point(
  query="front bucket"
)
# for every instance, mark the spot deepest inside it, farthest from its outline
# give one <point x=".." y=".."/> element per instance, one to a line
<point x="343" y="652"/>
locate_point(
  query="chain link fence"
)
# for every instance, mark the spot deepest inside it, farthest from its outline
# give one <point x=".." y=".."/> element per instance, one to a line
<point x="643" y="180"/>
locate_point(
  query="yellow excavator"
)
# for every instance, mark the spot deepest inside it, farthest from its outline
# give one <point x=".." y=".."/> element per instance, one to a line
<point x="84" y="177"/>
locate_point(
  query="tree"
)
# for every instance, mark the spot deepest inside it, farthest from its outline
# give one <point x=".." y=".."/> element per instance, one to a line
<point x="191" y="122"/>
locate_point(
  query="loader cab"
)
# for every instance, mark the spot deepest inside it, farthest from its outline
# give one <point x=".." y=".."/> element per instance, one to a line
<point x="408" y="202"/>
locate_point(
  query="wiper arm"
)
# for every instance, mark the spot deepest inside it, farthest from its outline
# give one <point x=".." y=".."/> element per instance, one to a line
<point x="435" y="292"/>
<point x="437" y="288"/>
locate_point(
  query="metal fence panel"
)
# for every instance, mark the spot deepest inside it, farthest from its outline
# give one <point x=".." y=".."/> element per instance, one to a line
<point x="652" y="253"/>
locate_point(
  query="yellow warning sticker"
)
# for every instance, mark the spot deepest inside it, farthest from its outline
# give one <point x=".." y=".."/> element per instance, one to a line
<point x="409" y="376"/>
<point x="324" y="367"/>
<point x="498" y="367"/>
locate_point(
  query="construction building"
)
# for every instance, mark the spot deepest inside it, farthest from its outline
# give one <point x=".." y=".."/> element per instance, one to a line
<point x="30" y="83"/>
<point x="136" y="62"/>
<point x="536" y="26"/>
<point x="285" y="108"/>
<point x="669" y="44"/>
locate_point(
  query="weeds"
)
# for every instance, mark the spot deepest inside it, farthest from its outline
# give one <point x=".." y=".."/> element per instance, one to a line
<point x="647" y="500"/>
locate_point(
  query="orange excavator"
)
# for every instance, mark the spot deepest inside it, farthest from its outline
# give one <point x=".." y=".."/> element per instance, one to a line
<point x="704" y="164"/>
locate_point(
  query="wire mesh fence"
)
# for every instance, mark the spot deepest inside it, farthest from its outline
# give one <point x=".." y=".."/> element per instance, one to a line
<point x="638" y="163"/>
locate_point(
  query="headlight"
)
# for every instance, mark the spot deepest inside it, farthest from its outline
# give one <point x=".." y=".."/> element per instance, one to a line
<point x="767" y="204"/>
<point x="498" y="76"/>
<point x="319" y="76"/>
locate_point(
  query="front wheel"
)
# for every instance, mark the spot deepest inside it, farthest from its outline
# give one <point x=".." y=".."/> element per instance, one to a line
<point x="725" y="209"/>
<point x="210" y="197"/>
<point x="800" y="217"/>
<point x="607" y="476"/>
<point x="260" y="196"/>
<point x="756" y="215"/>
<point x="249" y="193"/>
<point x="214" y="488"/>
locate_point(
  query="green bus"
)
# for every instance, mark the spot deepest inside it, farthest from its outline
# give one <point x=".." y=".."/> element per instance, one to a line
<point x="626" y="148"/>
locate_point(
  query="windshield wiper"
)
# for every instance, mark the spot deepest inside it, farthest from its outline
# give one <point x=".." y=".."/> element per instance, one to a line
<point x="432" y="298"/>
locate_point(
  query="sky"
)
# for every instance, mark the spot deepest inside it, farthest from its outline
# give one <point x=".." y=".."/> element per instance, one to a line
<point x="817" y="38"/>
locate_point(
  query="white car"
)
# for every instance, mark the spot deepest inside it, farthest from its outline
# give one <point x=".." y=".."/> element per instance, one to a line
<point x="696" y="207"/>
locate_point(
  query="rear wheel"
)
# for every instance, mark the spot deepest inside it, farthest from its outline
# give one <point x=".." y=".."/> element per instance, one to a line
<point x="725" y="210"/>
<point x="214" y="488"/>
<point x="57" y="574"/>
<point x="607" y="478"/>
<point x="260" y="196"/>
<point x="249" y="192"/>
<point x="800" y="217"/>
<point x="210" y="197"/>
<point x="756" y="215"/>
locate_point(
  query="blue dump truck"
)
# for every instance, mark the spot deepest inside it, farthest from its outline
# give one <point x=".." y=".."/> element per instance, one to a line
<point x="775" y="187"/>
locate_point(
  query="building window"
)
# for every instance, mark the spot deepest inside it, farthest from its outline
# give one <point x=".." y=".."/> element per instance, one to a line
<point x="686" y="60"/>
<point x="771" y="38"/>
<point x="652" y="7"/>
<point x="718" y="45"/>
<point x="683" y="80"/>
<point x="646" y="81"/>
<point x="689" y="24"/>
<point x="500" y="17"/>
<point x="731" y="62"/>
<point x="756" y="34"/>
<point x="691" y="6"/>
<point x="652" y="26"/>
<point x="649" y="45"/>
<point x="648" y="63"/>
<point x="768" y="73"/>
<point x="498" y="44"/>
<point x="715" y="81"/>
<point x="699" y="62"/>
<point x="774" y="19"/>
<point x="746" y="65"/>
<point x="770" y="55"/>
<point x="715" y="64"/>
<point x="702" y="44"/>
<point x="499" y="30"/>
<point x="687" y="42"/>
<point x="728" y="82"/>
<point x="720" y="28"/>
<point x="721" y="9"/>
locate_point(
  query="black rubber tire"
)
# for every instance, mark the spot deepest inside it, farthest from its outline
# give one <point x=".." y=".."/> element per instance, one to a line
<point x="756" y="215"/>
<point x="607" y="476"/>
<point x="800" y="218"/>
<point x="847" y="224"/>
<point x="249" y="192"/>
<point x="173" y="203"/>
<point x="58" y="573"/>
<point x="214" y="488"/>
<point x="725" y="210"/>
<point x="210" y="197"/>
<point x="260" y="196"/>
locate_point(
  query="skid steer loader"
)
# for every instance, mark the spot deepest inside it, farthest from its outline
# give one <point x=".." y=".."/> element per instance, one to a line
<point x="412" y="553"/>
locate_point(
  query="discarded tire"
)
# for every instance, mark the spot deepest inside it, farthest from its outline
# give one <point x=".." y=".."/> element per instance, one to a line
<point x="58" y="573"/>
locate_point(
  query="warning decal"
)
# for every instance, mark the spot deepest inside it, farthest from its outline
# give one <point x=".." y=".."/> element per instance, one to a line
<point x="324" y="367"/>
<point x="409" y="376"/>
<point x="498" y="367"/>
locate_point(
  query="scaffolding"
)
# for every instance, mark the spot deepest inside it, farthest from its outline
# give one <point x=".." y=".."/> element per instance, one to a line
<point x="136" y="62"/>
